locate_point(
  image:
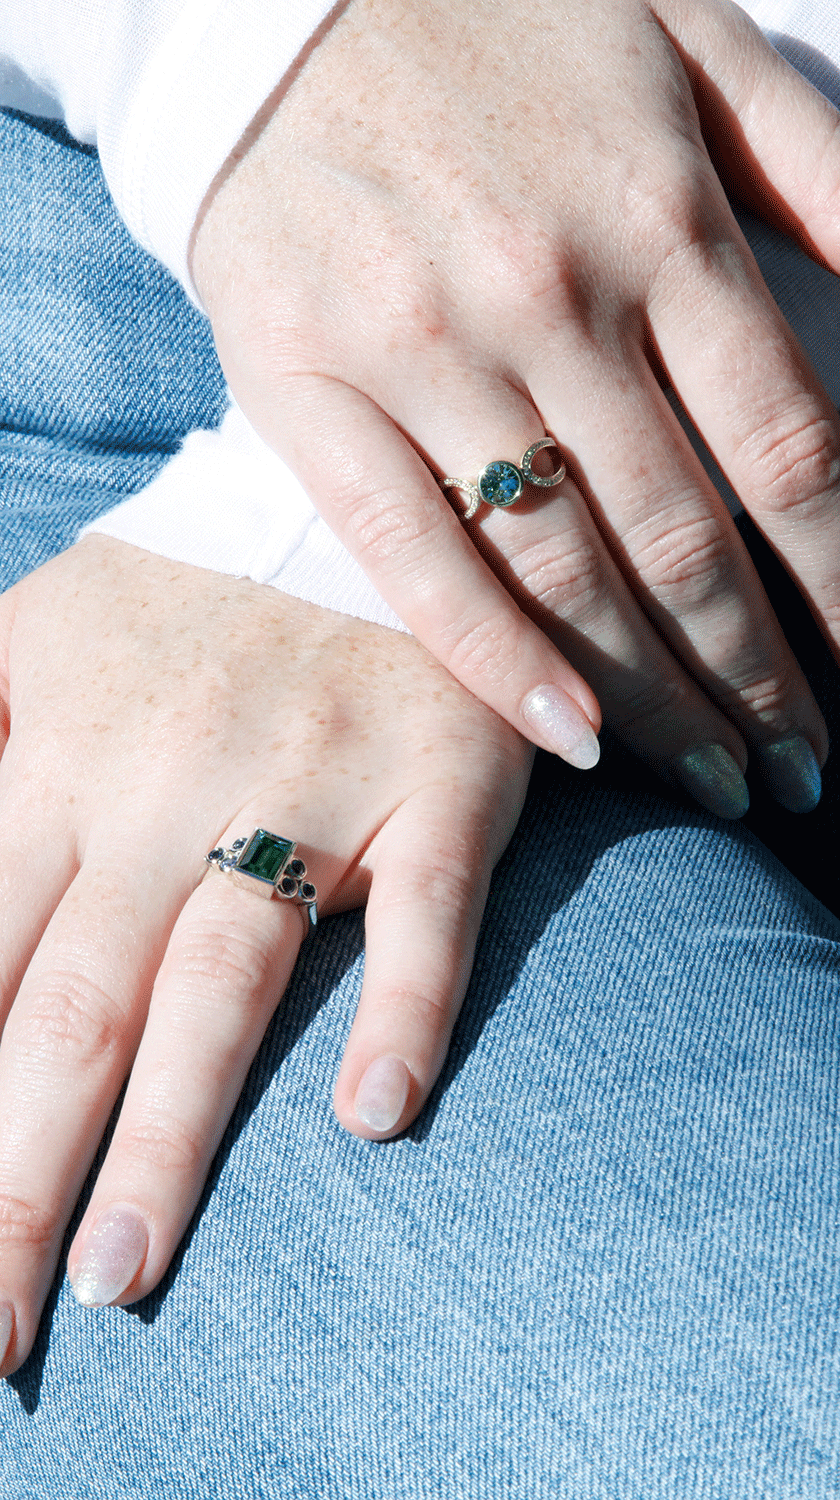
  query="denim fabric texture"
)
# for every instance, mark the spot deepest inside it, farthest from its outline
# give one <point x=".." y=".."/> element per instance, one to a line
<point x="85" y="418"/>
<point x="604" y="1264"/>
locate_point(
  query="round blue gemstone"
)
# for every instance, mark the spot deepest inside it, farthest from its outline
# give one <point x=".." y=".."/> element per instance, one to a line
<point x="500" y="483"/>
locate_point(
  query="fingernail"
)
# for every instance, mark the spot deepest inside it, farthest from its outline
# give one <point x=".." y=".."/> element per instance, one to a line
<point x="791" y="772"/>
<point x="113" y="1253"/>
<point x="710" y="774"/>
<point x="381" y="1095"/>
<point x="563" y="727"/>
<point x="7" y="1322"/>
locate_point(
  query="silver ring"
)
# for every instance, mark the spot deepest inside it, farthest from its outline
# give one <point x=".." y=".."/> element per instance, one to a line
<point x="266" y="865"/>
<point x="501" y="482"/>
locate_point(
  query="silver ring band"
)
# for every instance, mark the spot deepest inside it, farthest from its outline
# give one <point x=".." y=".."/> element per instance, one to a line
<point x="265" y="863"/>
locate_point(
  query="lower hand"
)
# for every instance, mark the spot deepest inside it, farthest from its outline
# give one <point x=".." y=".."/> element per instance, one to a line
<point x="152" y="711"/>
<point x="462" y="227"/>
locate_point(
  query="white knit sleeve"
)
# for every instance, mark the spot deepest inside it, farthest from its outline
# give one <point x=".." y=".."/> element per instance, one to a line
<point x="227" y="502"/>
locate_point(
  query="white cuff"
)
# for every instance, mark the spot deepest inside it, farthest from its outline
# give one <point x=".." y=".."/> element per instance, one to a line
<point x="180" y="97"/>
<point x="226" y="502"/>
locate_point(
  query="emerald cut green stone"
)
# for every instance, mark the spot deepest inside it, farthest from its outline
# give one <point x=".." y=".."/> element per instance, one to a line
<point x="265" y="855"/>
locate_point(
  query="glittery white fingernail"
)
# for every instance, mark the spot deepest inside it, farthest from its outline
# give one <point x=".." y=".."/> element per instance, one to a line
<point x="114" y="1251"/>
<point x="381" y="1095"/>
<point x="563" y="727"/>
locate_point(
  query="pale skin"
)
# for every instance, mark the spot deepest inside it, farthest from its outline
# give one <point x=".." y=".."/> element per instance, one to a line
<point x="459" y="227"/>
<point x="150" y="717"/>
<point x="462" y="226"/>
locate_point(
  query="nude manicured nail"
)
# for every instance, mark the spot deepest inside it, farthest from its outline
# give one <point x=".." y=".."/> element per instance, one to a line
<point x="7" y="1323"/>
<point x="562" y="726"/>
<point x="710" y="774"/>
<point x="791" y="773"/>
<point x="114" y="1251"/>
<point x="381" y="1095"/>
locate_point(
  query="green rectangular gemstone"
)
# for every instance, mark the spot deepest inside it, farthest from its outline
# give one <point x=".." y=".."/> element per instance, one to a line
<point x="265" y="855"/>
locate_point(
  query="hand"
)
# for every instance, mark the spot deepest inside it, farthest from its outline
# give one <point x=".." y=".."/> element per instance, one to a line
<point x="463" y="226"/>
<point x="156" y="711"/>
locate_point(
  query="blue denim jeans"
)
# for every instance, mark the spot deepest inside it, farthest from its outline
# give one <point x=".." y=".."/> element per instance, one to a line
<point x="604" y="1263"/>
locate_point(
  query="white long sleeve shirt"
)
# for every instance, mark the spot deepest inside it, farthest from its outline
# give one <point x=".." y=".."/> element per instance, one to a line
<point x="165" y="89"/>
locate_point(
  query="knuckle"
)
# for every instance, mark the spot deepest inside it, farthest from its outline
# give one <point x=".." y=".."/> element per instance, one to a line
<point x="391" y="274"/>
<point x="446" y="881"/>
<point x="526" y="270"/>
<point x="675" y="229"/>
<point x="667" y="213"/>
<point x="647" y="706"/>
<point x="23" y="1226"/>
<point x="74" y="1020"/>
<point x="164" y="1145"/>
<point x="224" y="962"/>
<point x="796" y="461"/>
<point x="830" y="612"/>
<point x="446" y="884"/>
<point x="485" y="650"/>
<point x="429" y="1010"/>
<point x="565" y="575"/>
<point x="766" y="697"/>
<point x="690" y="563"/>
<point x="386" y="531"/>
<point x="410" y="305"/>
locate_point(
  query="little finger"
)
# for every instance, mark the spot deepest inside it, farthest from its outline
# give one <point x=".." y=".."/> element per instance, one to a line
<point x="431" y="870"/>
<point x="759" y="405"/>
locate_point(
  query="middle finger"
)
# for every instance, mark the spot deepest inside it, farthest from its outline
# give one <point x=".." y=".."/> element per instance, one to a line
<point x="227" y="964"/>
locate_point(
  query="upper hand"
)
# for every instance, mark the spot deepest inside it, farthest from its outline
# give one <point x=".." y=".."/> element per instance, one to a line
<point x="154" y="711"/>
<point x="464" y="226"/>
